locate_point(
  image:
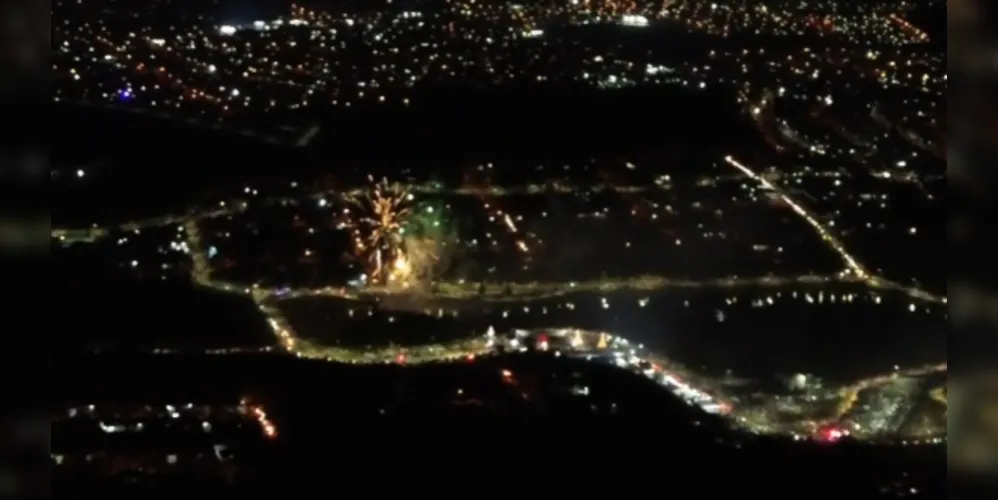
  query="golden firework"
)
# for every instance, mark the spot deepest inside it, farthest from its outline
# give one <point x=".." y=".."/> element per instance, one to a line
<point x="376" y="218"/>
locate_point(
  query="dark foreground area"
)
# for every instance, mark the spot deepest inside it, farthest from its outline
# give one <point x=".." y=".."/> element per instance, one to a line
<point x="143" y="166"/>
<point x="508" y="423"/>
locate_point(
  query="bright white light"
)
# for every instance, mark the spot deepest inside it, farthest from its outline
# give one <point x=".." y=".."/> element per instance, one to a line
<point x="227" y="30"/>
<point x="634" y="20"/>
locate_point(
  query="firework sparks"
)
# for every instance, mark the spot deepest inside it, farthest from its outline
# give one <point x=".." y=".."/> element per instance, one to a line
<point x="399" y="240"/>
<point x="376" y="219"/>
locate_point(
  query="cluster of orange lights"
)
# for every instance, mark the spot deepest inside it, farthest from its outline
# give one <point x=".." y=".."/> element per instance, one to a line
<point x="269" y="430"/>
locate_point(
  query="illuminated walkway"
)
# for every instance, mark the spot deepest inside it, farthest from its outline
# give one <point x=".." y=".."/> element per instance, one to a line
<point x="518" y="292"/>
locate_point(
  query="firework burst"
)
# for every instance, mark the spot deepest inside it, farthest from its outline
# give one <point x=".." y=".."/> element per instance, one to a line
<point x="376" y="219"/>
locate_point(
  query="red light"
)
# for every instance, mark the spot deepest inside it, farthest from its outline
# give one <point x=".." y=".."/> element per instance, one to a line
<point x="471" y="357"/>
<point x="830" y="434"/>
<point x="400" y="359"/>
<point x="542" y="338"/>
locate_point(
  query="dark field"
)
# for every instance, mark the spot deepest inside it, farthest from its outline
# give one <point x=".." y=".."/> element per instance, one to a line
<point x="267" y="378"/>
<point x="344" y="323"/>
<point x="801" y="331"/>
<point x="684" y="232"/>
<point x="132" y="291"/>
<point x="143" y="166"/>
<point x="152" y="254"/>
<point x="841" y="333"/>
<point x="897" y="230"/>
<point x="430" y="412"/>
<point x="106" y="313"/>
<point x="280" y="246"/>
